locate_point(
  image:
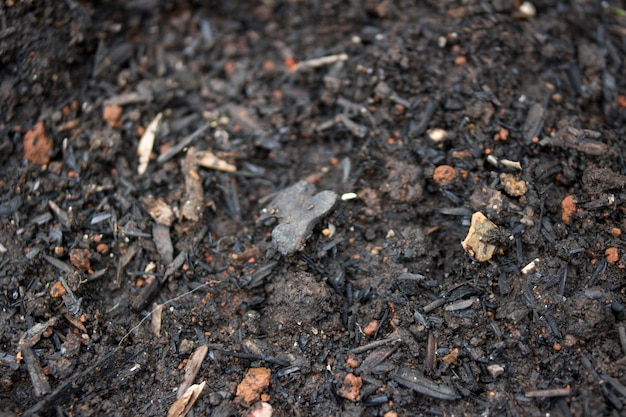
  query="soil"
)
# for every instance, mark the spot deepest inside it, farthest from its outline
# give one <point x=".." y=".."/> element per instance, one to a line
<point x="416" y="126"/>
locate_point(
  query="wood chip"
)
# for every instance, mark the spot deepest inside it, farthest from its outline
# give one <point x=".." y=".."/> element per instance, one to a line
<point x="155" y="324"/>
<point x="159" y="210"/>
<point x="182" y="405"/>
<point x="193" y="205"/>
<point x="475" y="242"/>
<point x="41" y="386"/>
<point x="163" y="242"/>
<point x="146" y="143"/>
<point x="32" y="335"/>
<point x="192" y="368"/>
<point x="207" y="159"/>
<point x="548" y="393"/>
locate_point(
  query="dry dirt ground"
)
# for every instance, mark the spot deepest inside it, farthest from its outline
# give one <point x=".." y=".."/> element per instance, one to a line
<point x="267" y="199"/>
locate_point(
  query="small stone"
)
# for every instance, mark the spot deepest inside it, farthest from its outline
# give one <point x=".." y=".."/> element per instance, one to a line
<point x="370" y="329"/>
<point x="436" y="135"/>
<point x="57" y="290"/>
<point x="568" y="207"/>
<point x="513" y="186"/>
<point x="261" y="409"/>
<point x="37" y="145"/>
<point x="444" y="175"/>
<point x="80" y="259"/>
<point x="495" y="370"/>
<point x="612" y="255"/>
<point x="297" y="210"/>
<point x="475" y="241"/>
<point x="527" y="10"/>
<point x="112" y="114"/>
<point x="350" y="388"/>
<point x="253" y="384"/>
<point x="186" y="346"/>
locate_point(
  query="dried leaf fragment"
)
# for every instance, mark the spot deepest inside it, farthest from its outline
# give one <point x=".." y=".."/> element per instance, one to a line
<point x="146" y="143"/>
<point x="182" y="406"/>
<point x="475" y="242"/>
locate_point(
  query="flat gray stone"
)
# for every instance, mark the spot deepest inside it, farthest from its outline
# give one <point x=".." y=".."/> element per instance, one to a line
<point x="298" y="210"/>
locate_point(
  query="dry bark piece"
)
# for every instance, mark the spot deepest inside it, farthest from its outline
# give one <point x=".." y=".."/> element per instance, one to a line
<point x="298" y="210"/>
<point x="157" y="319"/>
<point x="192" y="368"/>
<point x="253" y="384"/>
<point x="414" y="380"/>
<point x="534" y="122"/>
<point x="163" y="242"/>
<point x="32" y="335"/>
<point x="38" y="378"/>
<point x="350" y="387"/>
<point x="37" y="145"/>
<point x="582" y="140"/>
<point x="194" y="194"/>
<point x="475" y="241"/>
<point x="182" y="405"/>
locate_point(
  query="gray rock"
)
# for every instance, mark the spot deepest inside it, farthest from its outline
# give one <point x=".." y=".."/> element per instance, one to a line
<point x="297" y="210"/>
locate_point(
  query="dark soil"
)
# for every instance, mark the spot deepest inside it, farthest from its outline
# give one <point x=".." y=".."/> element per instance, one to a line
<point x="410" y="116"/>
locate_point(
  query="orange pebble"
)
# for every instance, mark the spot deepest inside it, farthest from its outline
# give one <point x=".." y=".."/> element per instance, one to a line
<point x="370" y="329"/>
<point x="57" y="290"/>
<point x="444" y="175"/>
<point x="568" y="207"/>
<point x="612" y="255"/>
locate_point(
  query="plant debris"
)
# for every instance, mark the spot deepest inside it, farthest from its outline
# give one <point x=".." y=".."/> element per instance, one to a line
<point x="257" y="207"/>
